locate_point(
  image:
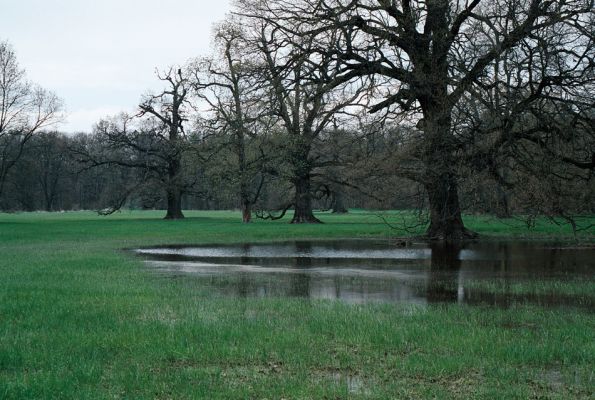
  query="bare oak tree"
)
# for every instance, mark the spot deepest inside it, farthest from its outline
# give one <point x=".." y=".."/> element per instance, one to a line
<point x="152" y="144"/>
<point x="306" y="92"/>
<point x="435" y="54"/>
<point x="170" y="109"/>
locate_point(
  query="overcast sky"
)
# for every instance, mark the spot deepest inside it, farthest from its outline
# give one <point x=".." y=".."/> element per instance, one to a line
<point x="100" y="56"/>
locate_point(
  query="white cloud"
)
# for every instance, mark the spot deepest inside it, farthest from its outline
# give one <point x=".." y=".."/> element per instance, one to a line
<point x="83" y="120"/>
<point x="101" y="55"/>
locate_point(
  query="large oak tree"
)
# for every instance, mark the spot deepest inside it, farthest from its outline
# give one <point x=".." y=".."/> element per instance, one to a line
<point x="432" y="57"/>
<point x="307" y="92"/>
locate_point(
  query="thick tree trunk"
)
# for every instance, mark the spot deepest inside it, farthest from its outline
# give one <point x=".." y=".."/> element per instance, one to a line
<point x="303" y="203"/>
<point x="174" y="190"/>
<point x="174" y="204"/>
<point x="338" y="203"/>
<point x="440" y="146"/>
<point x="446" y="222"/>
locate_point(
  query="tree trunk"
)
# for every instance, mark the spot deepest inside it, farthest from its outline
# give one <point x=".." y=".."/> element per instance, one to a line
<point x="246" y="204"/>
<point x="445" y="213"/>
<point x="503" y="210"/>
<point x="338" y="203"/>
<point x="446" y="222"/>
<point x="431" y="89"/>
<point x="174" y="191"/>
<point x="246" y="211"/>
<point x="48" y="195"/>
<point x="174" y="204"/>
<point x="303" y="203"/>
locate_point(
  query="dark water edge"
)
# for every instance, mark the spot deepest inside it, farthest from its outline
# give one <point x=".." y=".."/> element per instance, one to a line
<point x="491" y="273"/>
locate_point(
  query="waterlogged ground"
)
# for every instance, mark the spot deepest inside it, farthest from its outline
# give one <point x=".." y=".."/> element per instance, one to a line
<point x="81" y="320"/>
<point x="496" y="273"/>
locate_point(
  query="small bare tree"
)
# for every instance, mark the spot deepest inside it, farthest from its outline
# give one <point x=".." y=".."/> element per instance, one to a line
<point x="228" y="83"/>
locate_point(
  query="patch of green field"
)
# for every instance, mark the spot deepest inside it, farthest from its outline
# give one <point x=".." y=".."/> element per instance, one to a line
<point x="80" y="319"/>
<point x="573" y="287"/>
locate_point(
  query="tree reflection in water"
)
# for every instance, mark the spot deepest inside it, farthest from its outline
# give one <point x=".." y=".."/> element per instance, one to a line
<point x="443" y="274"/>
<point x="299" y="282"/>
<point x="378" y="271"/>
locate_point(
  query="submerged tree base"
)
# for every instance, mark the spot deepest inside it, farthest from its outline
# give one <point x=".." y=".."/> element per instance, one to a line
<point x="450" y="235"/>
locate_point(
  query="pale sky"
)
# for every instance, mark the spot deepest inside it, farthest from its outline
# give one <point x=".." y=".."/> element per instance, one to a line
<point x="100" y="56"/>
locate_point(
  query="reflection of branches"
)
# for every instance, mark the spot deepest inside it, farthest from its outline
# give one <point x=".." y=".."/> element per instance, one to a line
<point x="410" y="223"/>
<point x="405" y="224"/>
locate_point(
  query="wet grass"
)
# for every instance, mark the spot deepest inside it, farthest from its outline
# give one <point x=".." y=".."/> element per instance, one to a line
<point x="572" y="287"/>
<point x="80" y="319"/>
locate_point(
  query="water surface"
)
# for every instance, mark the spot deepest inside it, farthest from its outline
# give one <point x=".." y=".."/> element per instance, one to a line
<point x="360" y="271"/>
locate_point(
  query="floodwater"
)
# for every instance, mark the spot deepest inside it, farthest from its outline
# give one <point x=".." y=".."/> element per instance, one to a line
<point x="362" y="271"/>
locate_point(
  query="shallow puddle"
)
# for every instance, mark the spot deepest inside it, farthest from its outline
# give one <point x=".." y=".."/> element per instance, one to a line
<point x="360" y="271"/>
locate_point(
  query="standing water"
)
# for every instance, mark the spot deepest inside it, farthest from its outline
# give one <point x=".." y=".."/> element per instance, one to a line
<point x="360" y="271"/>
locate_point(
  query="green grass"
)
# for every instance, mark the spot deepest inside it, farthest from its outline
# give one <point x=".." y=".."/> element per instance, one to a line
<point x="572" y="287"/>
<point x="81" y="319"/>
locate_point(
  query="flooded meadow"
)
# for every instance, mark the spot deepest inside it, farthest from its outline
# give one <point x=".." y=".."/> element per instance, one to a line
<point x="492" y="273"/>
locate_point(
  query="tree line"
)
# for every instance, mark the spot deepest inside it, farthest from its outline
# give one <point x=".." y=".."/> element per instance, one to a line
<point x="442" y="106"/>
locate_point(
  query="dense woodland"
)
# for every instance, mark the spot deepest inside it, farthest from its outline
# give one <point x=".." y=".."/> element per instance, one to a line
<point x="439" y="106"/>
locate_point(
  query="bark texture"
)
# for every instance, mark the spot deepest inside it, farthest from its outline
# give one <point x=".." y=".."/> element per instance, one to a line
<point x="174" y="204"/>
<point x="303" y="203"/>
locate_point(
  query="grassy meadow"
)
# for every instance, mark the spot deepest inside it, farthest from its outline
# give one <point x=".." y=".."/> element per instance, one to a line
<point x="82" y="319"/>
